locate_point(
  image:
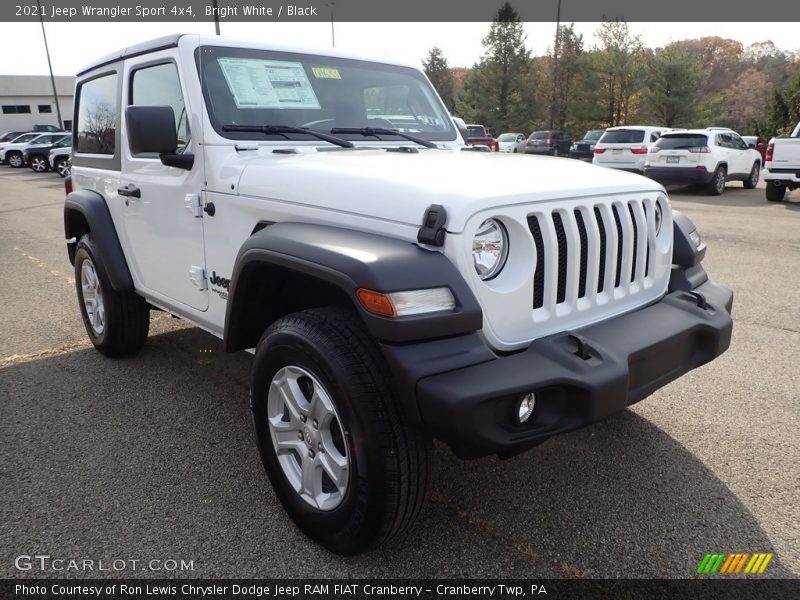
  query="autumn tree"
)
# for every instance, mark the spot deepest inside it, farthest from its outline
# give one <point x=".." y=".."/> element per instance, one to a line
<point x="565" y="70"/>
<point x="441" y="76"/>
<point x="620" y="69"/>
<point x="747" y="112"/>
<point x="673" y="91"/>
<point x="498" y="91"/>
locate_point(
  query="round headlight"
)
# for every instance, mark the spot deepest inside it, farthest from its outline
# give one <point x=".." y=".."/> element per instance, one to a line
<point x="489" y="249"/>
<point x="659" y="217"/>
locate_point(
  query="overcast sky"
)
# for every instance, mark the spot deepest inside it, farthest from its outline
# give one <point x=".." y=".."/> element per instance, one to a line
<point x="75" y="44"/>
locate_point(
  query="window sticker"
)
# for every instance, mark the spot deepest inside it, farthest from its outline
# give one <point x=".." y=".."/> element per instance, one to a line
<point x="326" y="73"/>
<point x="257" y="83"/>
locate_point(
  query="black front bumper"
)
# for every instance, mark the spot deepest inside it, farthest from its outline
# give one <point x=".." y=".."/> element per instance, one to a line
<point x="679" y="175"/>
<point x="473" y="408"/>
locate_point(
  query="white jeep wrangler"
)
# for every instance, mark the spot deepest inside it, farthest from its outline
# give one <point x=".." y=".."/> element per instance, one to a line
<point x="318" y="210"/>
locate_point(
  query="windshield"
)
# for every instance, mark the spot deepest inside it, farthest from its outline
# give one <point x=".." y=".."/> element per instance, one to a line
<point x="475" y="131"/>
<point x="681" y="141"/>
<point x="508" y="137"/>
<point x="250" y="87"/>
<point x="623" y="136"/>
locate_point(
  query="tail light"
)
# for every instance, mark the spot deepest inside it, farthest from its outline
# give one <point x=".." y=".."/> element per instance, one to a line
<point x="598" y="150"/>
<point x="700" y="150"/>
<point x="639" y="150"/>
<point x="68" y="185"/>
<point x="770" y="152"/>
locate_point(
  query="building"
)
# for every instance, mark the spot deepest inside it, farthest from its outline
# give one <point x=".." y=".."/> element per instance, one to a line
<point x="27" y="100"/>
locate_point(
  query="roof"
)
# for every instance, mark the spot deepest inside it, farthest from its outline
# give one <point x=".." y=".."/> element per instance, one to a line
<point x="171" y="41"/>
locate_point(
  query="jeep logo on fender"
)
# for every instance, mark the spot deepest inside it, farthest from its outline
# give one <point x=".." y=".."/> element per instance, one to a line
<point x="220" y="281"/>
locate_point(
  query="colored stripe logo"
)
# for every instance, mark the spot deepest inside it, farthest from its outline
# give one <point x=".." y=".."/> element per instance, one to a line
<point x="733" y="563"/>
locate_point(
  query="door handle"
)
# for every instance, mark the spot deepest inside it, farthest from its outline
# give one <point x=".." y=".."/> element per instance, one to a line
<point x="130" y="190"/>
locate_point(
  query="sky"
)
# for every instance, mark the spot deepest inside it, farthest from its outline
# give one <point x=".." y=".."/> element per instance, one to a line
<point x="72" y="45"/>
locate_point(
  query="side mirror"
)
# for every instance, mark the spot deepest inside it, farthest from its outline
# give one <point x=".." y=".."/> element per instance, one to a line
<point x="151" y="129"/>
<point x="751" y="145"/>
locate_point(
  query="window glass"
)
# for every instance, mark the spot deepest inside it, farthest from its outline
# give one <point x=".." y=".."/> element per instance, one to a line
<point x="159" y="85"/>
<point x="98" y="115"/>
<point x="476" y="131"/>
<point x="16" y="109"/>
<point x="681" y="141"/>
<point x="45" y="108"/>
<point x="623" y="136"/>
<point x="252" y="88"/>
<point x="738" y="142"/>
<point x="725" y="140"/>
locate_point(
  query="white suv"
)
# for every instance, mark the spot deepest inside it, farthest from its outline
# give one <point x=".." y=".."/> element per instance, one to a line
<point x="708" y="157"/>
<point x="626" y="147"/>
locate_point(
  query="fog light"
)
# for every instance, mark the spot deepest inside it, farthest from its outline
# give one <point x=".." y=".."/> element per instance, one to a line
<point x="526" y="406"/>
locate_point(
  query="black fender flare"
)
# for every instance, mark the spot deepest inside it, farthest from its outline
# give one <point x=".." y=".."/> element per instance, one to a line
<point x="687" y="271"/>
<point x="350" y="260"/>
<point x="92" y="207"/>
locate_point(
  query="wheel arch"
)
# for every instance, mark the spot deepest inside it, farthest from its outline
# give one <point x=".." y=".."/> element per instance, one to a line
<point x="85" y="211"/>
<point x="293" y="266"/>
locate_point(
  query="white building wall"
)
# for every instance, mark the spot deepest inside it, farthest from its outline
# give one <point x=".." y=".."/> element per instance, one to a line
<point x="36" y="93"/>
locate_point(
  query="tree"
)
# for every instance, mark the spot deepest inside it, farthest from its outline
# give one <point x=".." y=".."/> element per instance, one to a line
<point x="566" y="60"/>
<point x="746" y="101"/>
<point x="619" y="61"/>
<point x="498" y="91"/>
<point x="784" y="108"/>
<point x="673" y="93"/>
<point x="441" y="76"/>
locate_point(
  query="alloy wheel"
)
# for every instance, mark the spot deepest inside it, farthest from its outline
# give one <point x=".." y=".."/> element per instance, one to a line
<point x="92" y="295"/>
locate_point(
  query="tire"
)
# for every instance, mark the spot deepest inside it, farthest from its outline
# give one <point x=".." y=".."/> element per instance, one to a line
<point x="14" y="159"/>
<point x="775" y="192"/>
<point x="383" y="484"/>
<point x="556" y="152"/>
<point x="117" y="322"/>
<point x="62" y="167"/>
<point x="716" y="186"/>
<point x="514" y="151"/>
<point x="38" y="164"/>
<point x="752" y="180"/>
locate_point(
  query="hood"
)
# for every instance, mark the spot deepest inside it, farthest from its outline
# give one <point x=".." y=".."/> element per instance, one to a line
<point x="399" y="186"/>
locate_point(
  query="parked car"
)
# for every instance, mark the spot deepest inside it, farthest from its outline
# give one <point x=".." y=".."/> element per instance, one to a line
<point x="10" y="135"/>
<point x="626" y="147"/>
<point x="507" y="142"/>
<point x="708" y="157"/>
<point x="782" y="165"/>
<point x="13" y="153"/>
<point x="477" y="135"/>
<point x="60" y="158"/>
<point x="583" y="149"/>
<point x="554" y="143"/>
<point x="757" y="143"/>
<point x="47" y="128"/>
<point x="36" y="156"/>
<point x="21" y="139"/>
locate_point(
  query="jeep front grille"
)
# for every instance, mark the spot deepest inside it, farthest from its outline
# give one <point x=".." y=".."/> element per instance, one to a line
<point x="575" y="247"/>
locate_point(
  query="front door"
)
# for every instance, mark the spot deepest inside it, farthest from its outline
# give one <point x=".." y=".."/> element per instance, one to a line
<point x="162" y="223"/>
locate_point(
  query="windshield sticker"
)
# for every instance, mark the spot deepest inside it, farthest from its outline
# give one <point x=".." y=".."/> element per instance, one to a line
<point x="258" y="83"/>
<point x="325" y="73"/>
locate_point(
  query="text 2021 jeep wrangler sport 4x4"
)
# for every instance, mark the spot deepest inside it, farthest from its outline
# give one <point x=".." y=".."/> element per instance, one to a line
<point x="316" y="209"/>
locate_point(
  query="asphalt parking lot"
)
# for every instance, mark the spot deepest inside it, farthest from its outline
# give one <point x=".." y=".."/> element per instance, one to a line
<point x="153" y="457"/>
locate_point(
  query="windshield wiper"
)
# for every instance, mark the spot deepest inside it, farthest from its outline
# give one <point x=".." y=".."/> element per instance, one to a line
<point x="377" y="131"/>
<point x="284" y="129"/>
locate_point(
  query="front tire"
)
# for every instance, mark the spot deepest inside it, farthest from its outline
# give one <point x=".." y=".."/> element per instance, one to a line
<point x="752" y="181"/>
<point x="345" y="465"/>
<point x="117" y="321"/>
<point x="716" y="186"/>
<point x="775" y="192"/>
<point x="62" y="167"/>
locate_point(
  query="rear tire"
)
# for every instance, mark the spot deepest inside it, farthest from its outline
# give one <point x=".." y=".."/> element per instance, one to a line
<point x="38" y="164"/>
<point x="117" y="322"/>
<point x="14" y="159"/>
<point x="716" y="186"/>
<point x="63" y="167"/>
<point x="775" y="192"/>
<point x="752" y="180"/>
<point x="335" y="365"/>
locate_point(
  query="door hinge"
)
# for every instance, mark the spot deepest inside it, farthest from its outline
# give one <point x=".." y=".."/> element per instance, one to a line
<point x="198" y="277"/>
<point x="194" y="204"/>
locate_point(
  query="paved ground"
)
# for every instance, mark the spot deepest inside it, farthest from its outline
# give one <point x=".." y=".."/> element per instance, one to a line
<point x="153" y="457"/>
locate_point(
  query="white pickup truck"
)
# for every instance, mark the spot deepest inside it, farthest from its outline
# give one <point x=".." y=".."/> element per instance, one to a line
<point x="782" y="165"/>
<point x="317" y="209"/>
